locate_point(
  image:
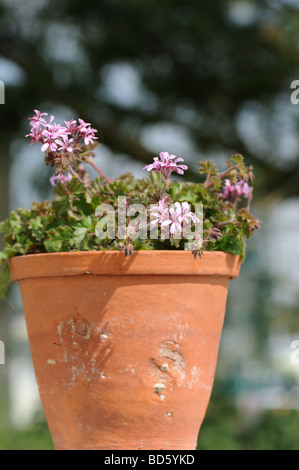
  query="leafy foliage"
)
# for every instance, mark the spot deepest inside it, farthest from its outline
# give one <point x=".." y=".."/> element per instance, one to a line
<point x="68" y="222"/>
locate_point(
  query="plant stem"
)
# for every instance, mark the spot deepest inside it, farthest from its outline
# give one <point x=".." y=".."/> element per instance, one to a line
<point x="207" y="182"/>
<point x="89" y="160"/>
<point x="221" y="175"/>
<point x="166" y="184"/>
<point x="227" y="222"/>
<point x="75" y="175"/>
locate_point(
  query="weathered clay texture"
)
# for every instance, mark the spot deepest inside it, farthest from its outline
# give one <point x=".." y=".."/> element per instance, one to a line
<point x="124" y="349"/>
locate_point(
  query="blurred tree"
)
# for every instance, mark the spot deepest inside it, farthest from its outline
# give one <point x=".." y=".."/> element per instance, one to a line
<point x="224" y="428"/>
<point x="219" y="70"/>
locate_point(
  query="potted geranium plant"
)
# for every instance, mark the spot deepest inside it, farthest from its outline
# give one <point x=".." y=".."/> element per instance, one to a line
<point x="125" y="313"/>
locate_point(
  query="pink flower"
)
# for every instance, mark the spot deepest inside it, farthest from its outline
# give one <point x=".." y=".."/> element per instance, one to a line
<point x="229" y="189"/>
<point x="166" y="165"/>
<point x="66" y="144"/>
<point x="161" y="212"/>
<point x="50" y="140"/>
<point x="49" y="146"/>
<point x="87" y="132"/>
<point x="38" y="119"/>
<point x="36" y="136"/>
<point x="62" y="178"/>
<point x="186" y="215"/>
<point x="37" y="122"/>
<point x="46" y="133"/>
<point x="240" y="189"/>
<point x="247" y="191"/>
<point x="71" y="127"/>
<point x="181" y="214"/>
<point x="176" y="217"/>
<point x="72" y="130"/>
<point x="80" y="132"/>
<point x="175" y="220"/>
<point x="57" y="138"/>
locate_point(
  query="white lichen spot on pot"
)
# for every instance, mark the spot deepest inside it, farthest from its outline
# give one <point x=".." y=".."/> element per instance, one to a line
<point x="182" y="330"/>
<point x="159" y="387"/>
<point x="196" y="378"/>
<point x="74" y="335"/>
<point x="103" y="337"/>
<point x="102" y="375"/>
<point x="195" y="373"/>
<point x="87" y="272"/>
<point x="162" y="397"/>
<point x="173" y="352"/>
<point x="133" y="371"/>
<point x="168" y="414"/>
<point x="52" y="362"/>
<point x="168" y="366"/>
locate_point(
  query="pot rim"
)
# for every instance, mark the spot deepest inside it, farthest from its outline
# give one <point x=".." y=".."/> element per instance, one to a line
<point x="115" y="263"/>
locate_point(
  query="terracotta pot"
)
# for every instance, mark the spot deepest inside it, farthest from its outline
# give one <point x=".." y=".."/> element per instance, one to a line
<point x="124" y="348"/>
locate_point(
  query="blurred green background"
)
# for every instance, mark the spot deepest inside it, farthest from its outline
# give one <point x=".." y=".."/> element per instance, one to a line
<point x="198" y="79"/>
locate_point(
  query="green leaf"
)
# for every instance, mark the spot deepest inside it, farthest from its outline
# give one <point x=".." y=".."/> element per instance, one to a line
<point x="37" y="227"/>
<point x="244" y="171"/>
<point x="81" y="232"/>
<point x="3" y="256"/>
<point x="4" y="277"/>
<point x="238" y="159"/>
<point x="88" y="198"/>
<point x="62" y="204"/>
<point x="231" y="245"/>
<point x="4" y="226"/>
<point x="58" y="239"/>
<point x="53" y="245"/>
<point x="175" y="189"/>
<point x="72" y="215"/>
<point x="207" y="167"/>
<point x="87" y="222"/>
<point x="216" y="183"/>
<point x="155" y="178"/>
<point x="79" y="237"/>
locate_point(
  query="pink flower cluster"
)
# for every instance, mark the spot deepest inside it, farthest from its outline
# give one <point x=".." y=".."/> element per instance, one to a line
<point x="57" y="138"/>
<point x="176" y="217"/>
<point x="166" y="164"/>
<point x="239" y="189"/>
<point x="62" y="178"/>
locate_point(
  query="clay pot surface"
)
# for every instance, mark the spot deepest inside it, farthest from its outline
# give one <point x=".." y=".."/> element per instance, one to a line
<point x="124" y="348"/>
